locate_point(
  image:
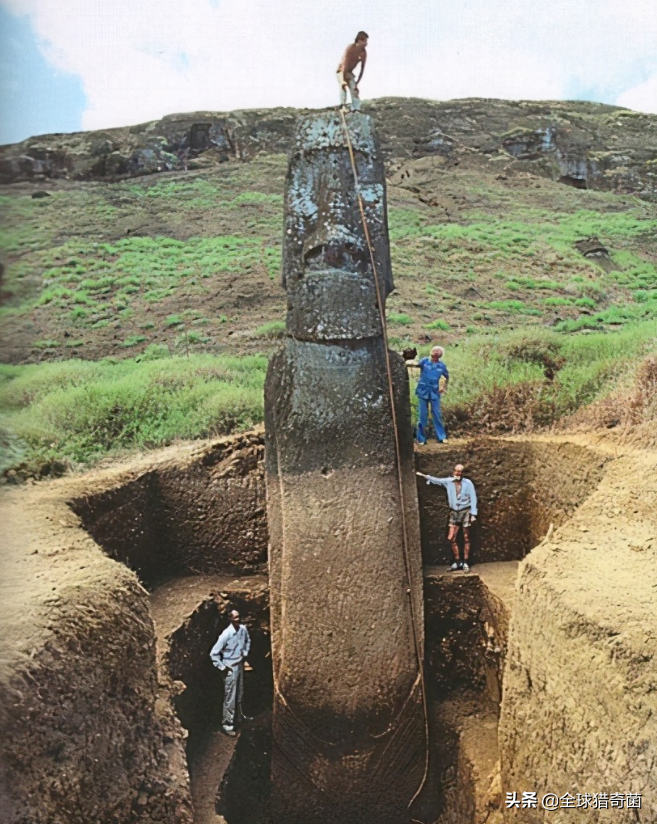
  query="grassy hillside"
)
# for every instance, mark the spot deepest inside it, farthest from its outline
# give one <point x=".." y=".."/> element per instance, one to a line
<point x="164" y="283"/>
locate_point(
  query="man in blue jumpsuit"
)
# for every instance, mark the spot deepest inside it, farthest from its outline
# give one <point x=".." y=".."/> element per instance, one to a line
<point x="428" y="391"/>
<point x="228" y="655"/>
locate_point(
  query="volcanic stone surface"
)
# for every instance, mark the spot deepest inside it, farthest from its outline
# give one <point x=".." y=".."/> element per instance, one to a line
<point x="346" y="607"/>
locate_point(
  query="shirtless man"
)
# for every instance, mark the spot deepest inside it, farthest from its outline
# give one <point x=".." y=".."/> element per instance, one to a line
<point x="354" y="54"/>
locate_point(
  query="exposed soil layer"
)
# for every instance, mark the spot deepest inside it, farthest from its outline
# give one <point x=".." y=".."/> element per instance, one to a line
<point x="83" y="735"/>
<point x="163" y="520"/>
<point x="467" y="623"/>
<point x="467" y="632"/>
<point x="580" y="689"/>
<point x="203" y="514"/>
<point x="90" y="729"/>
<point x="471" y="612"/>
<point x="189" y="613"/>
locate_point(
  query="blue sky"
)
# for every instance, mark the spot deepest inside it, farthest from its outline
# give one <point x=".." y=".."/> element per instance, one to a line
<point x="91" y="64"/>
<point x="34" y="97"/>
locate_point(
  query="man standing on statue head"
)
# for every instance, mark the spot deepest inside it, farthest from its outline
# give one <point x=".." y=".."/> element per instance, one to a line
<point x="228" y="655"/>
<point x="434" y="378"/>
<point x="462" y="500"/>
<point x="355" y="53"/>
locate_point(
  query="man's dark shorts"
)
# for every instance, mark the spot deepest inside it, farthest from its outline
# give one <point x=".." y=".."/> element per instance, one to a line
<point x="459" y="518"/>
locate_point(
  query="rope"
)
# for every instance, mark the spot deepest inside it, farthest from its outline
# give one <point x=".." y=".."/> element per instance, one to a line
<point x="407" y="565"/>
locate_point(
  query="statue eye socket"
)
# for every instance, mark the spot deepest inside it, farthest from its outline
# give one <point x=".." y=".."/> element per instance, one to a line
<point x="314" y="255"/>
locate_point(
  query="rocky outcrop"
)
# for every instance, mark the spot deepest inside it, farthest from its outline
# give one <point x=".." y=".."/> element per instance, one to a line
<point x="586" y="145"/>
<point x="346" y="607"/>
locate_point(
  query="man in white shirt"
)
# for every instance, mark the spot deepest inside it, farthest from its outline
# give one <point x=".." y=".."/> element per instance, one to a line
<point x="462" y="500"/>
<point x="228" y="655"/>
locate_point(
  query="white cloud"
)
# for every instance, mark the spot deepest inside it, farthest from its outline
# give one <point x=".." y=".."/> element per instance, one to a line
<point x="642" y="97"/>
<point x="141" y="59"/>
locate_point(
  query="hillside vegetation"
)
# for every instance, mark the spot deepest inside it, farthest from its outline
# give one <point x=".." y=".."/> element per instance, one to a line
<point x="140" y="310"/>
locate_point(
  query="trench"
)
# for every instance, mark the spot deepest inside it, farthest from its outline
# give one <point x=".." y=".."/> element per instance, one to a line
<point x="196" y="536"/>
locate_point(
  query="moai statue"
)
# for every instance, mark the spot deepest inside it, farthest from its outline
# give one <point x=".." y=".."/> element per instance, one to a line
<point x="346" y="595"/>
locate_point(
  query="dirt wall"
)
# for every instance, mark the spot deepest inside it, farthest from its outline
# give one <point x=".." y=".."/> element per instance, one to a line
<point x="86" y="731"/>
<point x="185" y="659"/>
<point x="466" y="637"/>
<point x="82" y="737"/>
<point x="198" y="513"/>
<point x="579" y="713"/>
<point x="523" y="486"/>
<point x="204" y="512"/>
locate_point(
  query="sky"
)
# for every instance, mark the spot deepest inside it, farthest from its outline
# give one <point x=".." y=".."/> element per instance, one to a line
<point x="68" y="65"/>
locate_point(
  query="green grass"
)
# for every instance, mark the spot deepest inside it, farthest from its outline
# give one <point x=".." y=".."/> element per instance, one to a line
<point x="80" y="411"/>
<point x="591" y="366"/>
<point x="516" y="307"/>
<point x="439" y="324"/>
<point x="86" y="273"/>
<point x="83" y="277"/>
<point x="133" y="340"/>
<point x="514" y="249"/>
<point x="528" y="256"/>
<point x="273" y="329"/>
<point x="399" y="319"/>
<point x="537" y="228"/>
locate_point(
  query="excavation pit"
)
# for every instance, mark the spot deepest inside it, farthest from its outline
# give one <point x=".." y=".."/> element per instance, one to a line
<point x="192" y="525"/>
<point x="467" y="621"/>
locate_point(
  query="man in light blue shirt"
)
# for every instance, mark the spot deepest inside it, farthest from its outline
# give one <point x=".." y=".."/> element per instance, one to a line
<point x="462" y="500"/>
<point x="228" y="655"/>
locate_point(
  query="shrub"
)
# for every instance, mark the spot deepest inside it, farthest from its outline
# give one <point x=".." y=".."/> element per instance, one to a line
<point x="542" y="349"/>
<point x="586" y="303"/>
<point x="155" y="351"/>
<point x="133" y="340"/>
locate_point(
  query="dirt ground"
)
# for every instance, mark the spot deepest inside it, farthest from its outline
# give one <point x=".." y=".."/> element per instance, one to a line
<point x="81" y="734"/>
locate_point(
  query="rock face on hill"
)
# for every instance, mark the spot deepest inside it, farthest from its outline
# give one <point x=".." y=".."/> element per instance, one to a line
<point x="587" y="145"/>
<point x="349" y="729"/>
